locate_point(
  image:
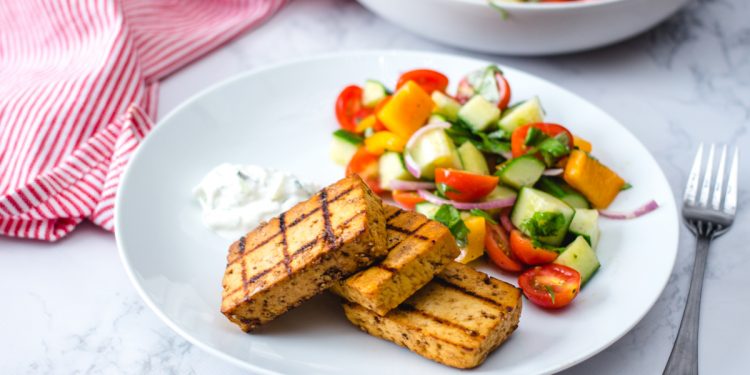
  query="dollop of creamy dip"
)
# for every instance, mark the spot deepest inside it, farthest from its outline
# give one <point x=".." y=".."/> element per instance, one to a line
<point x="237" y="198"/>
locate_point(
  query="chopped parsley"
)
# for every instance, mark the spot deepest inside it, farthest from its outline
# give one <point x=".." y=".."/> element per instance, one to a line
<point x="626" y="186"/>
<point x="534" y="136"/>
<point x="543" y="224"/>
<point x="553" y="148"/>
<point x="550" y="148"/>
<point x="492" y="143"/>
<point x="443" y="188"/>
<point x="451" y="218"/>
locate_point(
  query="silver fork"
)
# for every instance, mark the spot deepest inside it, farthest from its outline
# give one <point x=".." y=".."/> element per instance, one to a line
<point x="707" y="218"/>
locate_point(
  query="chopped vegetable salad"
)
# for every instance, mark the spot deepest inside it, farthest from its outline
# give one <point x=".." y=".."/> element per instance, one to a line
<point x="507" y="182"/>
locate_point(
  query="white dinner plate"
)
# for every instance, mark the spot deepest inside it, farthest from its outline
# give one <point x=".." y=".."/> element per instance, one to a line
<point x="282" y="117"/>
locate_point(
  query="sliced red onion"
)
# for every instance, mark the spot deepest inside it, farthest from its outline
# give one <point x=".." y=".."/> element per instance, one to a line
<point x="411" y="164"/>
<point x="506" y="223"/>
<point x="411" y="185"/>
<point x="507" y="155"/>
<point x="499" y="203"/>
<point x="418" y="134"/>
<point x="553" y="172"/>
<point x="640" y="211"/>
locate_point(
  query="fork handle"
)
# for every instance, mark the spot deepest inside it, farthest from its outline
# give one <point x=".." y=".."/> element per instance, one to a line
<point x="684" y="357"/>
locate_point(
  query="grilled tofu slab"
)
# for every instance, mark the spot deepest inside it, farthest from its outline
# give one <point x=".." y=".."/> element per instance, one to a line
<point x="301" y="253"/>
<point x="418" y="249"/>
<point x="457" y="319"/>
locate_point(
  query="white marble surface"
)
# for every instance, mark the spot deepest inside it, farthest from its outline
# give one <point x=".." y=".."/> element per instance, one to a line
<point x="69" y="308"/>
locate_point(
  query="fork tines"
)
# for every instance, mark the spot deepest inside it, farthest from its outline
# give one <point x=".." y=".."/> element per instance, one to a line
<point x="729" y="196"/>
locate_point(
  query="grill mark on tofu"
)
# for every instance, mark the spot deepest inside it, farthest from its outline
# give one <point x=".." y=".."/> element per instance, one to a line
<point x="306" y="246"/>
<point x="291" y="257"/>
<point x="394" y="215"/>
<point x="449" y="285"/>
<point x="438" y="338"/>
<point x="330" y="237"/>
<point x="386" y="268"/>
<point x="284" y="244"/>
<point x="413" y="309"/>
<point x="292" y="224"/>
<point x="243" y="267"/>
<point x="412" y="233"/>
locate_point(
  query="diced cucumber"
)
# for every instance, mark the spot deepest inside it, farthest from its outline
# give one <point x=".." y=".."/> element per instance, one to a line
<point x="522" y="171"/>
<point x="427" y="209"/>
<point x="527" y="112"/>
<point x="472" y="159"/>
<point x="373" y="93"/>
<point x="392" y="167"/>
<point x="500" y="192"/>
<point x="436" y="118"/>
<point x="445" y="106"/>
<point x="479" y="113"/>
<point x="561" y="190"/>
<point x="343" y="146"/>
<point x="542" y="216"/>
<point x="586" y="224"/>
<point x="435" y="149"/>
<point x="580" y="257"/>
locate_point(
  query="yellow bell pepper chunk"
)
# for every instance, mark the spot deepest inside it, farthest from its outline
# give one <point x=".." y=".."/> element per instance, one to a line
<point x="474" y="247"/>
<point x="366" y="123"/>
<point x="582" y="144"/>
<point x="409" y="108"/>
<point x="599" y="184"/>
<point x="383" y="141"/>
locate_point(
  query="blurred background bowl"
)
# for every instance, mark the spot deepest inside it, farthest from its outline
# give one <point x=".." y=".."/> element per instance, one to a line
<point x="525" y="28"/>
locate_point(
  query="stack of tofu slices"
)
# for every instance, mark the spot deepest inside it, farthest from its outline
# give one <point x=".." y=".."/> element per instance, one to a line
<point x="393" y="268"/>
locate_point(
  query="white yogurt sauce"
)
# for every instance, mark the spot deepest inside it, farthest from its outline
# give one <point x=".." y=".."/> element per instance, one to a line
<point x="237" y="198"/>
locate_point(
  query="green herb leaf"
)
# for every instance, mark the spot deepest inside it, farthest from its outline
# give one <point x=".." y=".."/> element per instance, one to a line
<point x="443" y="188"/>
<point x="543" y="224"/>
<point x="503" y="13"/>
<point x="539" y="245"/>
<point x="626" y="186"/>
<point x="451" y="218"/>
<point x="554" y="148"/>
<point x="534" y="136"/>
<point x="498" y="134"/>
<point x="551" y="292"/>
<point x="482" y="213"/>
<point x="461" y="133"/>
<point x="348" y="136"/>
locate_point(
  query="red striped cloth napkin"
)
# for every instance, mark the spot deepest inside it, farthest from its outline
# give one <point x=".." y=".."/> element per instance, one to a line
<point x="79" y="83"/>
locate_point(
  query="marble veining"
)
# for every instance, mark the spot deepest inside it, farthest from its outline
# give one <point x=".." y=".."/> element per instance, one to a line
<point x="70" y="309"/>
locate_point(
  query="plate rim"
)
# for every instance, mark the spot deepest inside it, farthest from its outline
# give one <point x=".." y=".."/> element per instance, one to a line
<point x="395" y="53"/>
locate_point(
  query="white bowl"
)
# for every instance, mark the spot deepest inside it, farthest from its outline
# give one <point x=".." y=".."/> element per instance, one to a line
<point x="527" y="29"/>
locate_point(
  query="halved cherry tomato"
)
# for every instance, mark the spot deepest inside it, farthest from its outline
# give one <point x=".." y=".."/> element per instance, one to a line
<point x="503" y="88"/>
<point x="349" y="108"/>
<point x="365" y="165"/>
<point x="498" y="249"/>
<point x="429" y="80"/>
<point x="466" y="91"/>
<point x="407" y="199"/>
<point x="523" y="248"/>
<point x="551" y="286"/>
<point x="465" y="186"/>
<point x="518" y="138"/>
